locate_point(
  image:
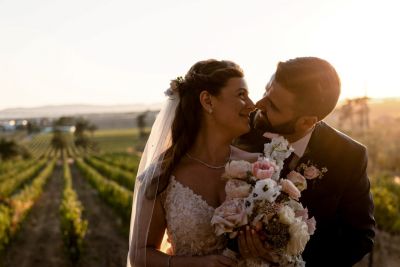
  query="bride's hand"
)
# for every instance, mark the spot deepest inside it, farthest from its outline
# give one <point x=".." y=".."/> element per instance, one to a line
<point x="251" y="246"/>
<point x="216" y="261"/>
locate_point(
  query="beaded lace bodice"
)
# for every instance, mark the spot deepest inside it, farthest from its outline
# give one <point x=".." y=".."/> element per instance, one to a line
<point x="188" y="218"/>
<point x="189" y="228"/>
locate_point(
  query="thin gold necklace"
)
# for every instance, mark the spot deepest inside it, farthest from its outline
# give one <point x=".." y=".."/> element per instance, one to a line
<point x="209" y="165"/>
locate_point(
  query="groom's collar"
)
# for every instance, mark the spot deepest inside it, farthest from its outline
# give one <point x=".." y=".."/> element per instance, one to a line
<point x="300" y="145"/>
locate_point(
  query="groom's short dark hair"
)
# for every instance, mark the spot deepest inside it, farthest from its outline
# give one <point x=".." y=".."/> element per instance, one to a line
<point x="313" y="81"/>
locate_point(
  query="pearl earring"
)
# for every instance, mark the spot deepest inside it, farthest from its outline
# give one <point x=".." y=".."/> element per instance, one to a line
<point x="210" y="111"/>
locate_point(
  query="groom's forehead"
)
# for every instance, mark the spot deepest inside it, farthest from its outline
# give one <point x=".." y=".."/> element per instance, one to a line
<point x="269" y="86"/>
<point x="270" y="82"/>
<point x="279" y="95"/>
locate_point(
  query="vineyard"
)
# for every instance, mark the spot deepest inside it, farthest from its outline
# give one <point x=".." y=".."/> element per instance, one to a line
<point x="71" y="206"/>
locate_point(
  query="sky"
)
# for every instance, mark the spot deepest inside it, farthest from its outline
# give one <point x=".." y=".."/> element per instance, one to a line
<point x="107" y="52"/>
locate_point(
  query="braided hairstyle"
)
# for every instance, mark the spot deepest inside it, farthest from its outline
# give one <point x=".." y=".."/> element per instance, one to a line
<point x="209" y="75"/>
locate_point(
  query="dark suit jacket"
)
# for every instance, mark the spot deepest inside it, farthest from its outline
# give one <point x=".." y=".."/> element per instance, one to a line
<point x="340" y="201"/>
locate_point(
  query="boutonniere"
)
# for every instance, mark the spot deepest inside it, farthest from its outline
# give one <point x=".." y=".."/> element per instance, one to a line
<point x="311" y="171"/>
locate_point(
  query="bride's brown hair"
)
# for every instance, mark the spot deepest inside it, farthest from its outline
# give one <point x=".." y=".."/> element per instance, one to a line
<point x="209" y="75"/>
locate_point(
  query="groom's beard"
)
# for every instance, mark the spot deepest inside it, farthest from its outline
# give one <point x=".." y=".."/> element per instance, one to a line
<point x="262" y="123"/>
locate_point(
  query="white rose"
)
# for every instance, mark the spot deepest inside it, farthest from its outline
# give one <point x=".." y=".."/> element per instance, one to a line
<point x="237" y="169"/>
<point x="286" y="215"/>
<point x="235" y="188"/>
<point x="295" y="205"/>
<point x="278" y="149"/>
<point x="298" y="237"/>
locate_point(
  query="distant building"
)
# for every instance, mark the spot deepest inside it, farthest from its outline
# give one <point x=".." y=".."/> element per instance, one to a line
<point x="13" y="125"/>
<point x="63" y="129"/>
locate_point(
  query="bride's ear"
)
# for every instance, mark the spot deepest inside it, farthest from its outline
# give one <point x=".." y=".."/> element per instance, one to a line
<point x="206" y="101"/>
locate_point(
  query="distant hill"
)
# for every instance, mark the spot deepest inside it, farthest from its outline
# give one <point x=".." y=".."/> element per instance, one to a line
<point x="124" y="115"/>
<point x="119" y="120"/>
<point x="72" y="110"/>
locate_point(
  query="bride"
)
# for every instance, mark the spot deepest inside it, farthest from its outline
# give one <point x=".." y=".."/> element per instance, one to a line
<point x="179" y="179"/>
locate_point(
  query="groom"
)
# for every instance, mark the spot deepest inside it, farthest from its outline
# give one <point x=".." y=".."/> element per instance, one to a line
<point x="301" y="93"/>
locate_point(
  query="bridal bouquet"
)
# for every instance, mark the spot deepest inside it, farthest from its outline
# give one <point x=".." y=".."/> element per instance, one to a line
<point x="256" y="195"/>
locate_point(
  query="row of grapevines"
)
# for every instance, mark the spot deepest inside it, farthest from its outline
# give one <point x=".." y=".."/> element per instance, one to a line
<point x="70" y="152"/>
<point x="72" y="225"/>
<point x="117" y="196"/>
<point x="23" y="201"/>
<point x="125" y="161"/>
<point x="14" y="209"/>
<point x="124" y="178"/>
<point x="17" y="167"/>
<point x="10" y="185"/>
<point x="6" y="166"/>
<point x="5" y="225"/>
<point x="40" y="144"/>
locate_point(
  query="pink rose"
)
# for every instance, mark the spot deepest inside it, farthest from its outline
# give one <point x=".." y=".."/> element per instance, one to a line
<point x="263" y="169"/>
<point x="311" y="172"/>
<point x="235" y="188"/>
<point x="231" y="214"/>
<point x="289" y="188"/>
<point x="311" y="224"/>
<point x="303" y="213"/>
<point x="298" y="180"/>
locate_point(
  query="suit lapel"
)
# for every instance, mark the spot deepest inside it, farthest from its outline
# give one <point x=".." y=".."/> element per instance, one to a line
<point x="313" y="150"/>
<point x="313" y="154"/>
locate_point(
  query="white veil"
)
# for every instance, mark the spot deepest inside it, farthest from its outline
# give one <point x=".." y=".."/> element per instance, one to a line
<point x="159" y="141"/>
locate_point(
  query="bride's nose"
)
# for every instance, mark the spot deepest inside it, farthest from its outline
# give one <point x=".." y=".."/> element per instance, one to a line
<point x="250" y="104"/>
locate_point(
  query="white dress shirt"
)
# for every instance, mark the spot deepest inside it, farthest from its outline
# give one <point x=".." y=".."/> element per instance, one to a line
<point x="300" y="145"/>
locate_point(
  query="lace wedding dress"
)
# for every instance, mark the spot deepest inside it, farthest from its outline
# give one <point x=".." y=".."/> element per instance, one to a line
<point x="189" y="228"/>
<point x="188" y="218"/>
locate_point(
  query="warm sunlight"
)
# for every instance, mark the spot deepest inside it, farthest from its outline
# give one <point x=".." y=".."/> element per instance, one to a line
<point x="365" y="48"/>
<point x="77" y="57"/>
<point x="124" y="123"/>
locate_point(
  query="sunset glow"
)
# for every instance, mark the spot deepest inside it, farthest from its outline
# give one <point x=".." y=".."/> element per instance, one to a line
<point x="125" y="52"/>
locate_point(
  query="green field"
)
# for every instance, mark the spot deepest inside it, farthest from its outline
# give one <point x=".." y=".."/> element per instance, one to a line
<point x="117" y="141"/>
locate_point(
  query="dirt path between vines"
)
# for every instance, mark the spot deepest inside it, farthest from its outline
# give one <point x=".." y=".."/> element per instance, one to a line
<point x="39" y="241"/>
<point x="105" y="243"/>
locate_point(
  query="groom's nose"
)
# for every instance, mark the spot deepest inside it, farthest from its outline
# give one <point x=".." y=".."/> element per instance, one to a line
<point x="250" y="107"/>
<point x="250" y="103"/>
<point x="260" y="103"/>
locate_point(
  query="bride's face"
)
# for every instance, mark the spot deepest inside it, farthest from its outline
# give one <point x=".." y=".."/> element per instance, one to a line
<point x="231" y="108"/>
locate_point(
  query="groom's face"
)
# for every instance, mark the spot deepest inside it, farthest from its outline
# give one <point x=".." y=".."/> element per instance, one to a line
<point x="276" y="110"/>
